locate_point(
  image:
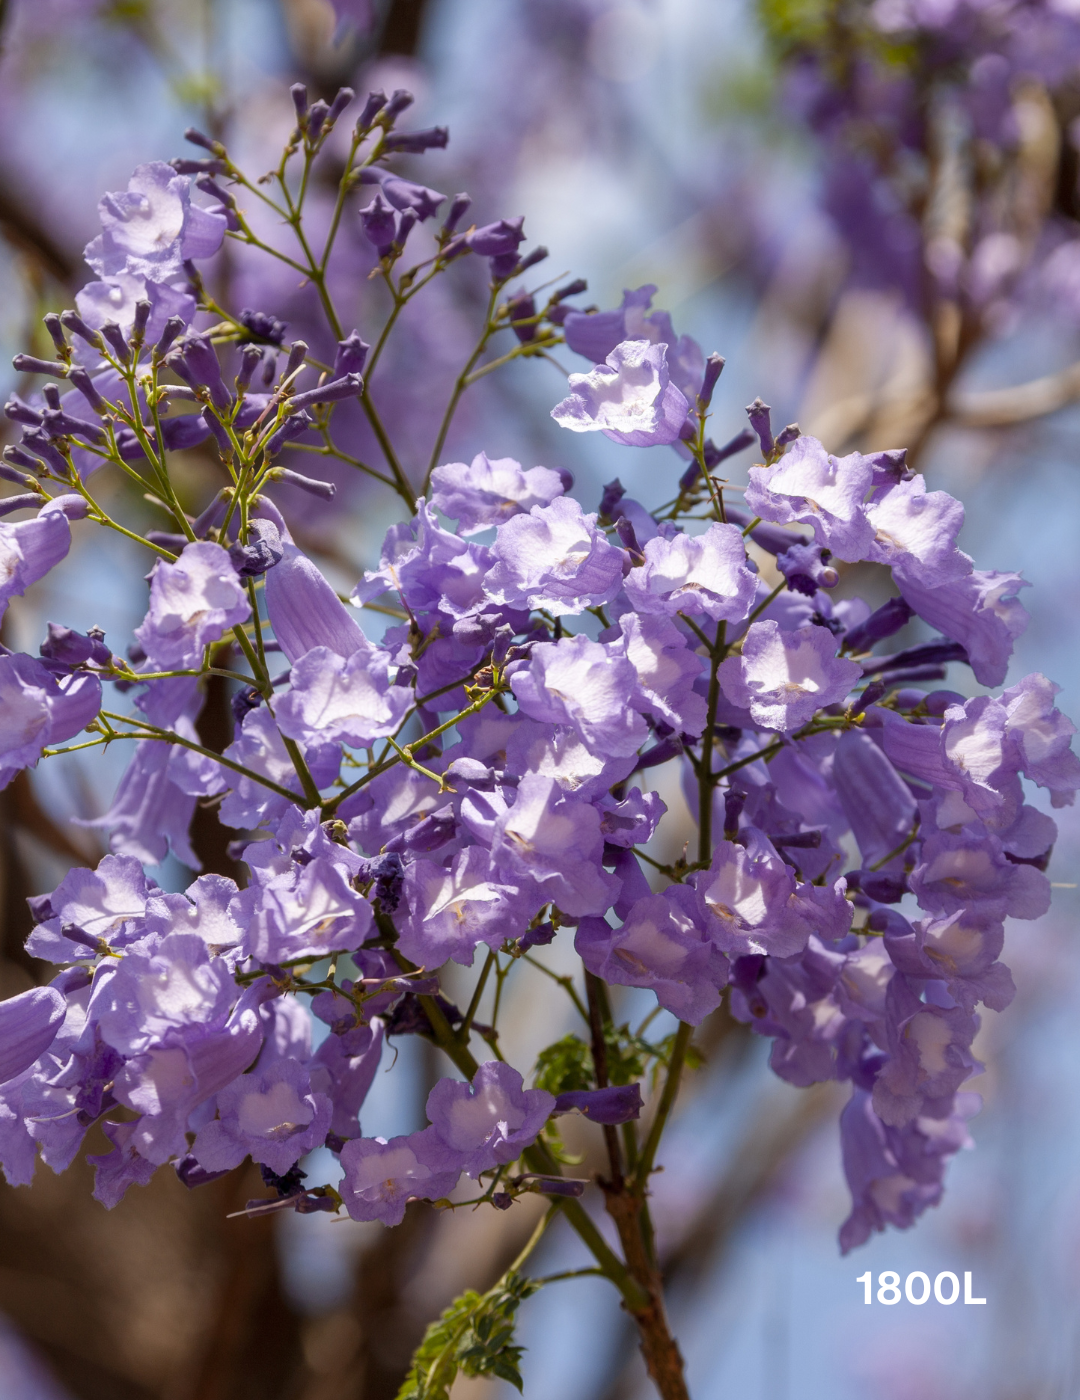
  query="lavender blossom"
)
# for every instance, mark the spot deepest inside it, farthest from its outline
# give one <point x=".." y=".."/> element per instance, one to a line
<point x="488" y="492"/>
<point x="192" y="603"/>
<point x="28" y="1026"/>
<point x="37" y="710"/>
<point x="584" y="685"/>
<point x="381" y="1176"/>
<point x="270" y="1115"/>
<point x="704" y="575"/>
<point x="334" y="699"/>
<point x="490" y="1121"/>
<point x="783" y="677"/>
<point x="630" y="398"/>
<point x="152" y="228"/>
<point x="554" y="558"/>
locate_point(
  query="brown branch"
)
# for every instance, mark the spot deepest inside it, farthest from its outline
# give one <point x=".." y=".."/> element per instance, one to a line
<point x="999" y="408"/>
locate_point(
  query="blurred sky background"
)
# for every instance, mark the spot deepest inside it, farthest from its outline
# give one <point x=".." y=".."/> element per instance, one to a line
<point x="642" y="142"/>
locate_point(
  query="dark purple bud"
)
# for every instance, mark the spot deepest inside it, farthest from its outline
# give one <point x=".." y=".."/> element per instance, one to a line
<point x="85" y="385"/>
<point x="61" y="424"/>
<point x="221" y="437"/>
<point x="41" y="908"/>
<point x="459" y="206"/>
<point x="888" y="619"/>
<point x="715" y="455"/>
<point x="167" y="540"/>
<point x="310" y="1204"/>
<point x="141" y="320"/>
<point x="186" y="165"/>
<point x="351" y="355"/>
<point x="734" y="802"/>
<point x="173" y="327"/>
<point x="501" y="1200"/>
<point x="19" y="478"/>
<point x="501" y="644"/>
<point x="115" y="337"/>
<point x="289" y="1183"/>
<point x="20" y="412"/>
<point x="224" y="198"/>
<point x="428" y="834"/>
<point x="317" y="114"/>
<point x="269" y="367"/>
<point x="537" y="255"/>
<point x="376" y="101"/>
<point x="760" y="417"/>
<point x="30" y="364"/>
<point x="614" y="491"/>
<point x="348" y="387"/>
<point x="662" y="752"/>
<point x="491" y="240"/>
<point x="250" y="360"/>
<point x="714" y="367"/>
<point x="522" y="309"/>
<point x="882" y="886"/>
<point x="380" y="224"/>
<point x="56" y="330"/>
<point x="538" y="937"/>
<point x="201" y="360"/>
<point x="246" y="700"/>
<point x="399" y="100"/>
<point x="387" y="872"/>
<point x="628" y="536"/>
<point x="10" y="504"/>
<point x="298" y="93"/>
<point x="558" y="1186"/>
<point x="938" y="701"/>
<point x="798" y="840"/>
<point x="80" y="936"/>
<point x="406" y="222"/>
<point x="261" y="551"/>
<point x="416" y="142"/>
<point x="196" y="137"/>
<point x="620" y="1103"/>
<point x="292" y="428"/>
<point x="344" y="96"/>
<point x="297" y="355"/>
<point x="71" y="648"/>
<point x="872" y="694"/>
<point x="787" y="435"/>
<point x="263" y="326"/>
<point x="932" y="654"/>
<point x="572" y="289"/>
<point x="806" y="567"/>
<point x="73" y="322"/>
<point x="325" y="490"/>
<point x="36" y="440"/>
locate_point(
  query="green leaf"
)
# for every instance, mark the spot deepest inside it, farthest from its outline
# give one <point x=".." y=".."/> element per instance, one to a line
<point x="474" y="1335"/>
<point x="564" y="1066"/>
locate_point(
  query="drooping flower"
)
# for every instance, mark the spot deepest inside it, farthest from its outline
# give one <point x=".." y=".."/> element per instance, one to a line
<point x="630" y="398"/>
<point x="192" y="603"/>
<point x="490" y="1121"/>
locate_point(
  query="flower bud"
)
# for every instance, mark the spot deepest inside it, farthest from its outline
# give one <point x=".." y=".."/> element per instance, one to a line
<point x="759" y="414"/>
<point x="351" y="355"/>
<point x="72" y="321"/>
<point x="714" y="367"/>
<point x="416" y="142"/>
<point x="56" y="331"/>
<point x="30" y="364"/>
<point x="376" y="101"/>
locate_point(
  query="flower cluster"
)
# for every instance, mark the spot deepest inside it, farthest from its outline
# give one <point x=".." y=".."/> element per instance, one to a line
<point x="482" y="775"/>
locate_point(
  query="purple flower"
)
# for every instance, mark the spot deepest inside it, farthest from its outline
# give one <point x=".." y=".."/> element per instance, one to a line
<point x="177" y="987"/>
<point x="343" y="1068"/>
<point x="619" y="1103"/>
<point x="492" y="1120"/>
<point x="490" y="490"/>
<point x="37" y="710"/>
<point x="29" y="549"/>
<point x="701" y="575"/>
<point x="633" y="821"/>
<point x="380" y="1176"/>
<point x="586" y="686"/>
<point x="914" y="531"/>
<point x="980" y="611"/>
<point x="783" y="678"/>
<point x="28" y="1026"/>
<point x="659" y="946"/>
<point x="554" y="558"/>
<point x="894" y="1174"/>
<point x="192" y="603"/>
<point x="152" y="228"/>
<point x="666" y="670"/>
<point x="751" y="902"/>
<point x="350" y="700"/>
<point x="305" y="612"/>
<point x="960" y="949"/>
<point x="596" y="336"/>
<point x="808" y="486"/>
<point x="310" y="910"/>
<point x="89" y="907"/>
<point x="968" y="869"/>
<point x="270" y="1115"/>
<point x="452" y="910"/>
<point x="403" y="194"/>
<point x="1043" y="736"/>
<point x="630" y="398"/>
<point x="115" y="1171"/>
<point x="929" y="1052"/>
<point x="497" y="240"/>
<point x="555" y="840"/>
